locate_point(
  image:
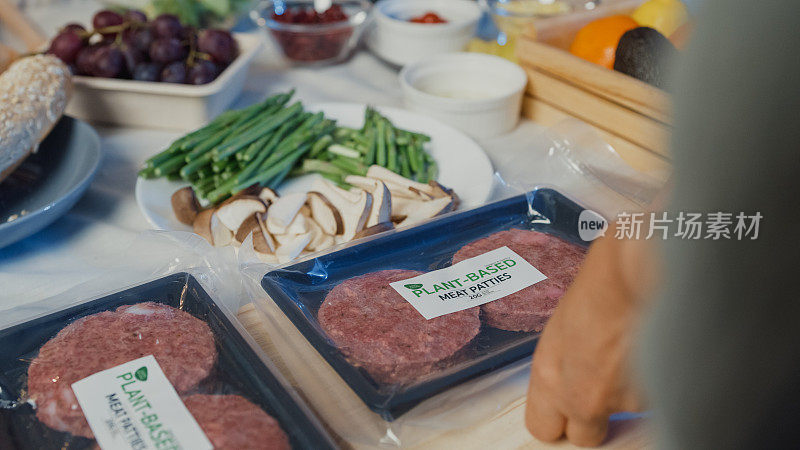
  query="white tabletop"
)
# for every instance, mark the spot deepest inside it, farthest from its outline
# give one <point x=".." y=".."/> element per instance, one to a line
<point x="102" y="225"/>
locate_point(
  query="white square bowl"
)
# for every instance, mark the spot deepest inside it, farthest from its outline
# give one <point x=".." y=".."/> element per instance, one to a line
<point x="162" y="105"/>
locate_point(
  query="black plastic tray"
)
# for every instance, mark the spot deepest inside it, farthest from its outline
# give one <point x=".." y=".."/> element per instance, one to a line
<point x="238" y="371"/>
<point x="300" y="289"/>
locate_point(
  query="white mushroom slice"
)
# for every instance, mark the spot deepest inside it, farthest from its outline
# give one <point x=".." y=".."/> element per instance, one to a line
<point x="305" y="210"/>
<point x="284" y="210"/>
<point x="325" y="214"/>
<point x="318" y="237"/>
<point x="354" y="214"/>
<point x="426" y="210"/>
<point x="389" y="177"/>
<point x="422" y="194"/>
<point x="297" y="226"/>
<point x="381" y="198"/>
<point x="265" y="234"/>
<point x="402" y="207"/>
<point x="326" y="186"/>
<point x="202" y="225"/>
<point x="326" y="243"/>
<point x="262" y="244"/>
<point x="267" y="195"/>
<point x="234" y="212"/>
<point x="292" y="248"/>
<point x="221" y="234"/>
<point x="248" y="226"/>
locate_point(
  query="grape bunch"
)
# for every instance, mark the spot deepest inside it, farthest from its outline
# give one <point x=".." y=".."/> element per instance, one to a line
<point x="129" y="46"/>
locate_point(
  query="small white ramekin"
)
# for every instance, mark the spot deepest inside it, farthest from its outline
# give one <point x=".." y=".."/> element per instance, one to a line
<point x="393" y="38"/>
<point x="494" y="88"/>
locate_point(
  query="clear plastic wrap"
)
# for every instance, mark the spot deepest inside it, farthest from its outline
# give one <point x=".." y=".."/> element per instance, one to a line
<point x="489" y="375"/>
<point x="180" y="310"/>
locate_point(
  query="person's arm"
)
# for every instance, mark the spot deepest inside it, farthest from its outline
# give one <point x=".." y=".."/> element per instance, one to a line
<point x="581" y="369"/>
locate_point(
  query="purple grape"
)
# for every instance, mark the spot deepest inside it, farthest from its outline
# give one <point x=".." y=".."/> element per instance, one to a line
<point x="147" y="71"/>
<point x="139" y="38"/>
<point x="167" y="50"/>
<point x="132" y="57"/>
<point x="66" y="46"/>
<point x="106" y="18"/>
<point x="73" y="27"/>
<point x="174" y="72"/>
<point x="202" y="72"/>
<point x="219" y="45"/>
<point x="108" y="62"/>
<point x="84" y="61"/>
<point x="134" y="16"/>
<point x="167" y="26"/>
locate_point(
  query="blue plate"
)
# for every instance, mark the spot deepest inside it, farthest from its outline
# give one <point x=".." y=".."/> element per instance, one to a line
<point x="50" y="181"/>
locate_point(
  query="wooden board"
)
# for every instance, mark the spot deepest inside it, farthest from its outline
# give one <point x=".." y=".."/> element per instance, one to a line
<point x="638" y="157"/>
<point x="619" y="120"/>
<point x="505" y="430"/>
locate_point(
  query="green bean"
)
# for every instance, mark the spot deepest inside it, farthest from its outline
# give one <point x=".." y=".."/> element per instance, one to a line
<point x="380" y="157"/>
<point x="391" y="162"/>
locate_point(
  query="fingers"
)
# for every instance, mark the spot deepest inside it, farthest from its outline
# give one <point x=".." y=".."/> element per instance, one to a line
<point x="543" y="421"/>
<point x="585" y="433"/>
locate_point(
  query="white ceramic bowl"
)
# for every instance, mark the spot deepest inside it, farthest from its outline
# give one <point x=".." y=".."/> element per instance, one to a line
<point x="398" y="41"/>
<point x="162" y="105"/>
<point x="479" y="94"/>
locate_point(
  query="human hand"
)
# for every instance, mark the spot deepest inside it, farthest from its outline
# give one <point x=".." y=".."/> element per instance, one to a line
<point x="581" y="371"/>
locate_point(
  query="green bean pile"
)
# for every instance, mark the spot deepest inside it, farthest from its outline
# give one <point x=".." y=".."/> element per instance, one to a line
<point x="266" y="142"/>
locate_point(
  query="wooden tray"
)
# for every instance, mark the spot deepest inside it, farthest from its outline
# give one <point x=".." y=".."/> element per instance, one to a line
<point x="634" y="114"/>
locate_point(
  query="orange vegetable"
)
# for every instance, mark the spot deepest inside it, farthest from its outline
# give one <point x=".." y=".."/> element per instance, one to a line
<point x="597" y="41"/>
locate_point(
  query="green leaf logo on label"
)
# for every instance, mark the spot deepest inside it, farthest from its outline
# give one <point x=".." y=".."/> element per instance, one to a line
<point x="141" y="374"/>
<point x="413" y="286"/>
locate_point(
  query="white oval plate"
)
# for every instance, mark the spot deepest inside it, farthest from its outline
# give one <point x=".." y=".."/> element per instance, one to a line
<point x="463" y="165"/>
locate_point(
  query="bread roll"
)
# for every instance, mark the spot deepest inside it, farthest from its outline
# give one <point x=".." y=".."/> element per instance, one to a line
<point x="33" y="94"/>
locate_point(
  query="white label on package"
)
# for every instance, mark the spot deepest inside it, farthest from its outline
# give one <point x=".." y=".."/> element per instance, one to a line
<point x="472" y="282"/>
<point x="134" y="406"/>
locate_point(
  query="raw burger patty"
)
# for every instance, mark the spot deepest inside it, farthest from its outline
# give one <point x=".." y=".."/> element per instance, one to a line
<point x="182" y="344"/>
<point x="380" y="331"/>
<point x="528" y="309"/>
<point x="232" y="423"/>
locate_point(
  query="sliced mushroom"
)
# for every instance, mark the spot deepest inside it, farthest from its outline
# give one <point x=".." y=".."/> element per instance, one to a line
<point x="354" y="213"/>
<point x="318" y="236"/>
<point x="185" y="205"/>
<point x="375" y="229"/>
<point x="202" y="225"/>
<point x="325" y="214"/>
<point x="403" y="207"/>
<point x="297" y="226"/>
<point x="390" y="177"/>
<point x="261" y="244"/>
<point x="441" y="191"/>
<point x="265" y="234"/>
<point x="381" y="198"/>
<point x="284" y="210"/>
<point x="429" y="209"/>
<point x="269" y="258"/>
<point x="292" y="248"/>
<point x="267" y="195"/>
<point x="232" y="213"/>
<point x="248" y="226"/>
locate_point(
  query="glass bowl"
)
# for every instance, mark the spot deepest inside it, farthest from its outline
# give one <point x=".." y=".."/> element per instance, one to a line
<point x="313" y="43"/>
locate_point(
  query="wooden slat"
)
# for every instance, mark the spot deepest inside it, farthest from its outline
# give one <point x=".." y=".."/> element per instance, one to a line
<point x="636" y="156"/>
<point x="633" y="126"/>
<point x="611" y="85"/>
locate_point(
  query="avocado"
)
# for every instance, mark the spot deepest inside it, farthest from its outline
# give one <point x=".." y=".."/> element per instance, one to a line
<point x="645" y="54"/>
